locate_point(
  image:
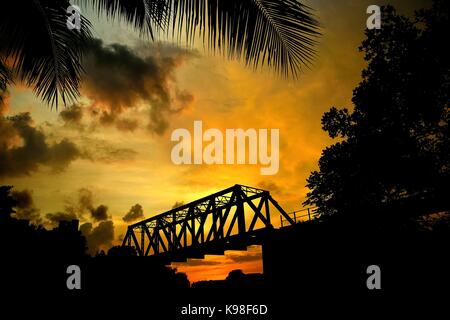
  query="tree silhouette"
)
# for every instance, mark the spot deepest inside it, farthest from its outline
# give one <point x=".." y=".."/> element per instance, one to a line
<point x="7" y="202"/>
<point x="37" y="46"/>
<point x="34" y="257"/>
<point x="122" y="251"/>
<point x="393" y="151"/>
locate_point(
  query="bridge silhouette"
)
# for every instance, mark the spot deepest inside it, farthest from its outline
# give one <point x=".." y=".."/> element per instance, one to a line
<point x="231" y="219"/>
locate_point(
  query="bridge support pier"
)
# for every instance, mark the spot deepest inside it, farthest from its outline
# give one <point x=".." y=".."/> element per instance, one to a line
<point x="268" y="255"/>
<point x="279" y="254"/>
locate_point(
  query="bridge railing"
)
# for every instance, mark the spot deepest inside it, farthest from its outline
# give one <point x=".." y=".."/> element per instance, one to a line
<point x="301" y="215"/>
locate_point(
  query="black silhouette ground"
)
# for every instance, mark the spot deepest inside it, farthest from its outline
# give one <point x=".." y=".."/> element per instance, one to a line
<point x="309" y="265"/>
<point x="383" y="193"/>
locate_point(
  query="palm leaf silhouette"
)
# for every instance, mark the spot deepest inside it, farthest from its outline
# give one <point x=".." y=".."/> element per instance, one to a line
<point x="279" y="33"/>
<point x="36" y="45"/>
<point x="4" y="80"/>
<point x="41" y="50"/>
<point x="144" y="15"/>
<point x="4" y="77"/>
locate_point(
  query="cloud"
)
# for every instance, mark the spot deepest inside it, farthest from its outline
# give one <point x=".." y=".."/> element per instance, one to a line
<point x="127" y="89"/>
<point x="99" y="237"/>
<point x="118" y="79"/>
<point x="201" y="262"/>
<point x="72" y="115"/>
<point x="100" y="150"/>
<point x="184" y="98"/>
<point x="85" y="205"/>
<point x="4" y="101"/>
<point x="127" y="124"/>
<point x="244" y="257"/>
<point x="54" y="218"/>
<point x="99" y="232"/>
<point x="270" y="186"/>
<point x="100" y="213"/>
<point x="177" y="204"/>
<point x="253" y="253"/>
<point x="134" y="214"/>
<point x="85" y="200"/>
<point x="8" y="136"/>
<point x="23" y="148"/>
<point x="25" y="208"/>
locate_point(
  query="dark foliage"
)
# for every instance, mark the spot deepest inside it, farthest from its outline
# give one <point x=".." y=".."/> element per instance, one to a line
<point x="392" y="160"/>
<point x="35" y="259"/>
<point x="37" y="46"/>
<point x="41" y="50"/>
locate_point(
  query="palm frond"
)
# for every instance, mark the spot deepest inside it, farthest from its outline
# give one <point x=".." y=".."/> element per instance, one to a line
<point x="45" y="54"/>
<point x="5" y="77"/>
<point x="279" y="33"/>
<point x="144" y="15"/>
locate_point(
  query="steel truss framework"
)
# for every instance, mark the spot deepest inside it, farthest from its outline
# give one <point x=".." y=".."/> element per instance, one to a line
<point x="213" y="219"/>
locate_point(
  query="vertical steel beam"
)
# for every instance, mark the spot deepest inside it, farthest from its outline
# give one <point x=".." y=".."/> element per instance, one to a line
<point x="142" y="239"/>
<point x="240" y="214"/>
<point x="267" y="207"/>
<point x="136" y="244"/>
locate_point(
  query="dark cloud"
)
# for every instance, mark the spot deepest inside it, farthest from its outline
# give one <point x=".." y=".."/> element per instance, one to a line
<point x="244" y="257"/>
<point x="184" y="99"/>
<point x="127" y="124"/>
<point x="201" y="262"/>
<point x="134" y="214"/>
<point x="85" y="200"/>
<point x="118" y="79"/>
<point x="24" y="198"/>
<point x="100" y="213"/>
<point x="100" y="150"/>
<point x="105" y="118"/>
<point x="72" y="115"/>
<point x="177" y="204"/>
<point x="24" y="148"/>
<point x="270" y="186"/>
<point x="99" y="230"/>
<point x="25" y="208"/>
<point x="99" y="237"/>
<point x="61" y="154"/>
<point x="53" y="219"/>
<point x="85" y="205"/>
<point x="4" y="101"/>
<point x="253" y="253"/>
<point x="8" y="136"/>
<point x="86" y="229"/>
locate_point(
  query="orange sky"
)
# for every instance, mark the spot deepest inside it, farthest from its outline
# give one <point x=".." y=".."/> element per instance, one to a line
<point x="134" y="166"/>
